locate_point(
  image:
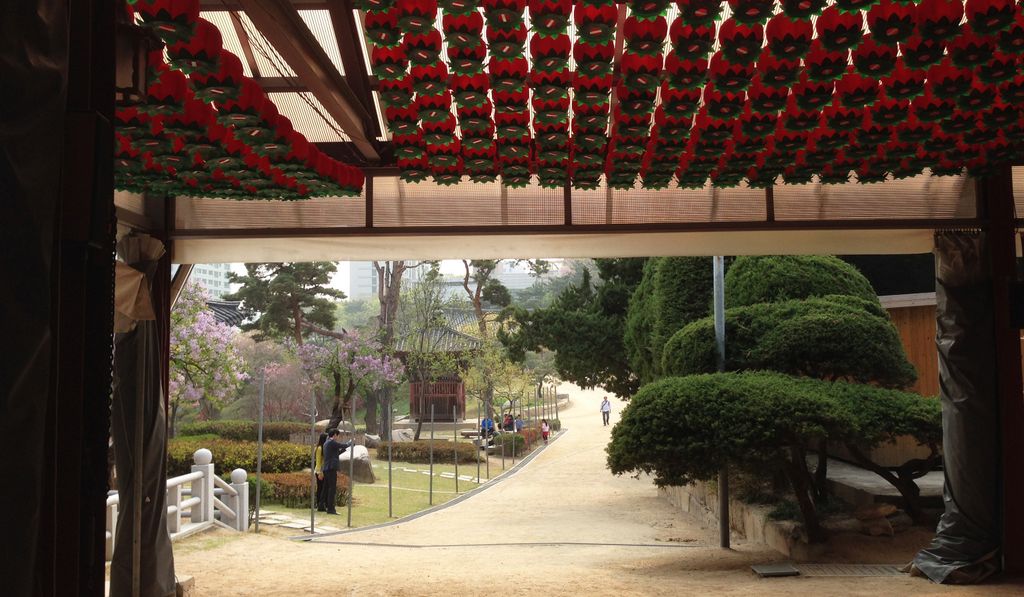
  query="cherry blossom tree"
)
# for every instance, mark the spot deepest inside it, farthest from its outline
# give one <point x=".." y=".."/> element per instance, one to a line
<point x="350" y="363"/>
<point x="206" y="368"/>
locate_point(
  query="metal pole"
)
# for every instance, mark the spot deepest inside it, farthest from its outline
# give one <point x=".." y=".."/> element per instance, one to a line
<point x="391" y="439"/>
<point x="455" y="429"/>
<point x="479" y="435"/>
<point x="431" y="454"/>
<point x="312" y="452"/>
<point x="723" y="475"/>
<point x="554" y="395"/>
<point x="352" y="463"/>
<point x="259" y="446"/>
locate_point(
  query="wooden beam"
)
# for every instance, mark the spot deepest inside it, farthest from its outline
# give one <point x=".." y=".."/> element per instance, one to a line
<point x="285" y="29"/>
<point x="246" y="43"/>
<point x="769" y="203"/>
<point x="226" y="5"/>
<point x="350" y="48"/>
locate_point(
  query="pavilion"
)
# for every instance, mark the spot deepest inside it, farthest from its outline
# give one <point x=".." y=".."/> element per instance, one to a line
<point x="295" y="130"/>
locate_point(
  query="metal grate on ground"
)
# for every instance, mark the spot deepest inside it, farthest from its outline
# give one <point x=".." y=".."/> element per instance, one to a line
<point x="848" y="570"/>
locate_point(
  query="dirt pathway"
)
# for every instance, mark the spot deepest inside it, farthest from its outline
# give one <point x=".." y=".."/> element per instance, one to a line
<point x="562" y="525"/>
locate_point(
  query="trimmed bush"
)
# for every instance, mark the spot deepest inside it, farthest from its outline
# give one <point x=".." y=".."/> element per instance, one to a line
<point x="555" y="424"/>
<point x="244" y="430"/>
<point x="278" y="457"/>
<point x="752" y="280"/>
<point x="419" y="451"/>
<point x="833" y="337"/>
<point x="673" y="292"/>
<point x="292" y="489"/>
<point x="507" y="440"/>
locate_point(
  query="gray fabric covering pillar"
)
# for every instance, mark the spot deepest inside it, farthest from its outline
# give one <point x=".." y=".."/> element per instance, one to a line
<point x="137" y="366"/>
<point x="966" y="540"/>
<point x="33" y="72"/>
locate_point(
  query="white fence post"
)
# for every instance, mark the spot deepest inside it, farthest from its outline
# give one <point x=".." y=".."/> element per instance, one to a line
<point x="203" y="488"/>
<point x="241" y="501"/>
<point x="174" y="499"/>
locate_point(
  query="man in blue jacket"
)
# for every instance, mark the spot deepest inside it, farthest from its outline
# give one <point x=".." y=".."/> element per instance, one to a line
<point x="332" y="450"/>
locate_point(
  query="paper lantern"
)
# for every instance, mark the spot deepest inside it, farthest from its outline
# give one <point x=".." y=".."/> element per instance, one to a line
<point x="198" y="53"/>
<point x="389" y="63"/>
<point x="595" y="24"/>
<point x="504" y="14"/>
<point x="550" y="54"/>
<point x="507" y="42"/>
<point x="1011" y="39"/>
<point x="904" y="82"/>
<point x="729" y="77"/>
<point x="777" y="73"/>
<point x="382" y="28"/>
<point x="691" y="41"/>
<point x="766" y="99"/>
<point x="889" y="112"/>
<point x="417" y="16"/>
<point x="699" y="12"/>
<point x="872" y="59"/>
<point x="990" y="16"/>
<point x="423" y="48"/>
<point x="467" y="61"/>
<point x="741" y="43"/>
<point x="172" y="20"/>
<point x="1002" y="67"/>
<point x="686" y="74"/>
<point x="802" y="9"/>
<point x="837" y="30"/>
<point x="789" y="38"/>
<point x="921" y="53"/>
<point x="891" y="21"/>
<point x="969" y="49"/>
<point x="430" y="80"/>
<point x="812" y="95"/>
<point x="939" y="19"/>
<point x="223" y="83"/>
<point x="979" y="97"/>
<point x="752" y="11"/>
<point x="825" y="65"/>
<point x="463" y="30"/>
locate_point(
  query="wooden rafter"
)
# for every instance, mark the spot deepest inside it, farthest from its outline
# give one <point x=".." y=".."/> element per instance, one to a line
<point x="246" y="43"/>
<point x="281" y="24"/>
<point x="347" y="36"/>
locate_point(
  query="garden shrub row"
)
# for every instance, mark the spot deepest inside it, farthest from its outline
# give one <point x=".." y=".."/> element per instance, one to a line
<point x="292" y="489"/>
<point x="278" y="457"/>
<point x="419" y="451"/>
<point x="244" y="430"/>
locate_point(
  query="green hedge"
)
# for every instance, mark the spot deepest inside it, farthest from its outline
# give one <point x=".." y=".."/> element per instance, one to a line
<point x="555" y="424"/>
<point x="292" y="489"/>
<point x="419" y="451"/>
<point x="244" y="430"/>
<point x="684" y="429"/>
<point x="278" y="457"/>
<point x="507" y="440"/>
<point x="752" y="280"/>
<point x="833" y="337"/>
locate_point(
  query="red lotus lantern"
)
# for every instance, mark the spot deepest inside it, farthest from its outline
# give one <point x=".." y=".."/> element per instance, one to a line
<point x="382" y="28"/>
<point x="198" y="53"/>
<point x="389" y="63"/>
<point x="766" y="99"/>
<point x="904" y="82"/>
<point x="752" y="11"/>
<point x="921" y="53"/>
<point x="430" y="80"/>
<point x="467" y="61"/>
<point x="692" y="41"/>
<point x="416" y="16"/>
<point x="172" y="20"/>
<point x="741" y="43"/>
<point x="789" y="38"/>
<point x="686" y="74"/>
<point x="802" y="9"/>
<point x="946" y="81"/>
<point x="595" y="24"/>
<point x="874" y="60"/>
<point x="222" y="84"/>
<point x="167" y="94"/>
<point x="777" y="73"/>
<point x="1011" y="40"/>
<point x="423" y="48"/>
<point x="729" y="77"/>
<point x="990" y="16"/>
<point x="838" y="30"/>
<point x="699" y="12"/>
<point x="939" y="19"/>
<point x="463" y="30"/>
<point x="823" y="64"/>
<point x="891" y="21"/>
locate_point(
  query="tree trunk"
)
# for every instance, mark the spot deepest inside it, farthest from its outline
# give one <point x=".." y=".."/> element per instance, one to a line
<point x="297" y="316"/>
<point x="800" y="479"/>
<point x="338" y="406"/>
<point x="174" y="420"/>
<point x="902" y="479"/>
<point x="370" y="400"/>
<point x="821" y="472"/>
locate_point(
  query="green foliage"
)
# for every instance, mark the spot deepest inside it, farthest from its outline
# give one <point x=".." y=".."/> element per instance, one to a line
<point x="495" y="293"/>
<point x="584" y="326"/>
<point x="752" y="280"/>
<point x="555" y="424"/>
<point x="280" y="297"/>
<point x="292" y="489"/>
<point x="684" y="429"/>
<point x="357" y="314"/>
<point x="278" y="457"/>
<point x="242" y="430"/>
<point x="419" y="451"/>
<point x="507" y="440"/>
<point x="832" y="337"/>
<point x="673" y="292"/>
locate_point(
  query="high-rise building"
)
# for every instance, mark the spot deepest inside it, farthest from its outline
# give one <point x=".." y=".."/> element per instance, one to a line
<point x="213" y="277"/>
<point x="363" y="281"/>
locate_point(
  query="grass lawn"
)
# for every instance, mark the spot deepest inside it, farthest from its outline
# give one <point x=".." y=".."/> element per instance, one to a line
<point x="410" y="492"/>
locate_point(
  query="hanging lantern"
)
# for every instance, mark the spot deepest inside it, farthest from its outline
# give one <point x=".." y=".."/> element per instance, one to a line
<point x="946" y="81"/>
<point x="550" y="54"/>
<point x="434" y="108"/>
<point x="722" y="105"/>
<point x="752" y="11"/>
<point x="172" y="20"/>
<point x="686" y="74"/>
<point x="389" y="63"/>
<point x="1012" y="91"/>
<point x="1002" y="67"/>
<point x="691" y="41"/>
<point x="990" y="16"/>
<point x="595" y="23"/>
<point x="789" y="38"/>
<point x="757" y="125"/>
<point x="978" y="98"/>
<point x="439" y="132"/>
<point x="914" y="131"/>
<point x="430" y="80"/>
<point x="1011" y="39"/>
<point x="504" y="14"/>
<point x="795" y="118"/>
<point x="417" y="16"/>
<point x="904" y="83"/>
<point x="463" y="30"/>
<point x="222" y="84"/>
<point x="423" y="48"/>
<point x="641" y="72"/>
<point x="958" y="122"/>
<point x="889" y="112"/>
<point x="467" y="61"/>
<point x="837" y="30"/>
<point x="921" y="53"/>
<point x="476" y="120"/>
<point x="166" y="95"/>
<point x="698" y="13"/>
<point x="892" y="21"/>
<point x="802" y="9"/>
<point x="680" y="103"/>
<point x="939" y="19"/>
<point x="741" y="43"/>
<point x="778" y="73"/>
<point x="844" y="119"/>
<point x="874" y="60"/>
<point x="508" y="75"/>
<point x="395" y="92"/>
<point x="1001" y="116"/>
<point x="812" y="95"/>
<point x="825" y="65"/>
<point x="729" y="77"/>
<point x="929" y="108"/>
<point x="550" y="17"/>
<point x="199" y="53"/>
<point x="470" y="90"/>
<point x="381" y="28"/>
<point x="970" y="49"/>
<point x="765" y="99"/>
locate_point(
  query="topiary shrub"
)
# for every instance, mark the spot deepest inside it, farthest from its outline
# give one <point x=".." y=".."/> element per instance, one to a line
<point x="672" y="292"/>
<point x="244" y="430"/>
<point x="278" y="457"/>
<point x="770" y="279"/>
<point x="685" y="429"/>
<point x="555" y="424"/>
<point x="508" y="440"/>
<point x="832" y="337"/>
<point x="419" y="451"/>
<point x="292" y="489"/>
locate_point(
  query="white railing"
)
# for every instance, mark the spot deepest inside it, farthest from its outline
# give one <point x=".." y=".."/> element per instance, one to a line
<point x="207" y="501"/>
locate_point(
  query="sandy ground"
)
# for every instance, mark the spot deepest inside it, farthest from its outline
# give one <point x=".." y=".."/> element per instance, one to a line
<point x="562" y="525"/>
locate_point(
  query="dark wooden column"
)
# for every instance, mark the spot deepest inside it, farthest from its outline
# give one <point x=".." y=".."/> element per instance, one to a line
<point x="995" y="202"/>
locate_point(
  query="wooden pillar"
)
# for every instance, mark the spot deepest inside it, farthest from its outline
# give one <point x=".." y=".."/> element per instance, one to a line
<point x="995" y="202"/>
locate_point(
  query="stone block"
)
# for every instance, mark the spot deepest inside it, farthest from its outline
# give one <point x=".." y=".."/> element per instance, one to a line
<point x="362" y="470"/>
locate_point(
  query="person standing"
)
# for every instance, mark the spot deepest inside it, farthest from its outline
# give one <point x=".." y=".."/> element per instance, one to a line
<point x="332" y="450"/>
<point x="606" y="410"/>
<point x="319" y="469"/>
<point x="544" y="430"/>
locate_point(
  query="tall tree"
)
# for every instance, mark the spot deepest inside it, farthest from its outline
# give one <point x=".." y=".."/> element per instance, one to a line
<point x="584" y="326"/>
<point x="206" y="368"/>
<point x="287" y="299"/>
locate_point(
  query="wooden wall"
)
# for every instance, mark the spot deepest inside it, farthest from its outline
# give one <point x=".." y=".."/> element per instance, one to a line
<point x="916" y="326"/>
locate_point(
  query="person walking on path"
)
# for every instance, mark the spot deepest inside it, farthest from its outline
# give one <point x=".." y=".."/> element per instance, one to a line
<point x="332" y="449"/>
<point x="544" y="430"/>
<point x="606" y="410"/>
